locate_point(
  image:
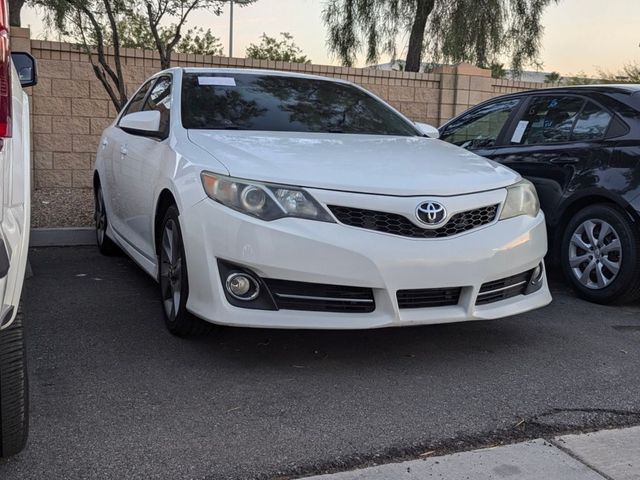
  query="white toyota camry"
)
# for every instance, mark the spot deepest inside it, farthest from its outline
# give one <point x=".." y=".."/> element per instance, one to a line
<point x="270" y="199"/>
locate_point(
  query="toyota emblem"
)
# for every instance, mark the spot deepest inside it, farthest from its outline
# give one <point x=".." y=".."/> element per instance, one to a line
<point x="431" y="213"/>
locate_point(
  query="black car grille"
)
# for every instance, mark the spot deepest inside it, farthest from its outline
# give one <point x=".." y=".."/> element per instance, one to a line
<point x="397" y="224"/>
<point x="504" y="288"/>
<point x="428" y="297"/>
<point x="317" y="297"/>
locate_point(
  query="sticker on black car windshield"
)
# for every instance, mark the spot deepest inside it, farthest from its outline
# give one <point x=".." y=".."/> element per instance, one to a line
<point x="519" y="131"/>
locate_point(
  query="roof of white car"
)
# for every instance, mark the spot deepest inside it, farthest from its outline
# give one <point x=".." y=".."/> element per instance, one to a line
<point x="258" y="71"/>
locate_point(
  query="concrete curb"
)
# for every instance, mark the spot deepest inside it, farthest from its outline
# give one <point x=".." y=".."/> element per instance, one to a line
<point x="62" y="237"/>
<point x="604" y="455"/>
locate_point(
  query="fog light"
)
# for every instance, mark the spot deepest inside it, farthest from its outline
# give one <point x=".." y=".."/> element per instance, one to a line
<point x="536" y="276"/>
<point x="242" y="286"/>
<point x="535" y="281"/>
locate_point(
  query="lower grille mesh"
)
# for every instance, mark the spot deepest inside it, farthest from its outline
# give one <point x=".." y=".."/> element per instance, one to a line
<point x="504" y="288"/>
<point x="317" y="297"/>
<point x="428" y="297"/>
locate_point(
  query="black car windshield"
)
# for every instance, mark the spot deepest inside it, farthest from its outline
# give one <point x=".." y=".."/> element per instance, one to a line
<point x="243" y="101"/>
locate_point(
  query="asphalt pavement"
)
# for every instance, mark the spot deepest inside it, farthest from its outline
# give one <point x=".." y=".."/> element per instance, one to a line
<point x="114" y="396"/>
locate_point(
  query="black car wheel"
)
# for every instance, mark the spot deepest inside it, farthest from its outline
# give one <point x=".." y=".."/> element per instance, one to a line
<point x="105" y="244"/>
<point x="174" y="282"/>
<point x="599" y="255"/>
<point x="14" y="395"/>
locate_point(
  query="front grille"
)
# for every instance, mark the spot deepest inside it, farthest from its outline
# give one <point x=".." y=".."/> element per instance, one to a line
<point x="504" y="288"/>
<point x="400" y="225"/>
<point x="428" y="297"/>
<point x="317" y="297"/>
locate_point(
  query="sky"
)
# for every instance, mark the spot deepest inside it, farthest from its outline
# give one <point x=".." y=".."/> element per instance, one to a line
<point x="581" y="36"/>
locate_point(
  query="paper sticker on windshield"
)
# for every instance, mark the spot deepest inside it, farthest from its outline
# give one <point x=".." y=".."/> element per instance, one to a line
<point x="217" y="81"/>
<point x="519" y="131"/>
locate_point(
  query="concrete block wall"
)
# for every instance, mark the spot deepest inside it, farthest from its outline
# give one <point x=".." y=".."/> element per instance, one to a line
<point x="70" y="109"/>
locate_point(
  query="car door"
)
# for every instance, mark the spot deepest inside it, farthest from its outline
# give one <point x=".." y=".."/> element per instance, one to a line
<point x="554" y="140"/>
<point x="112" y="142"/>
<point x="138" y="161"/>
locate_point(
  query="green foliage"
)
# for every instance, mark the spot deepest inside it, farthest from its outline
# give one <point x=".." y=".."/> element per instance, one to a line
<point x="449" y="31"/>
<point x="498" y="70"/>
<point x="553" y="77"/>
<point x="270" y="48"/>
<point x="200" y="42"/>
<point x="135" y="33"/>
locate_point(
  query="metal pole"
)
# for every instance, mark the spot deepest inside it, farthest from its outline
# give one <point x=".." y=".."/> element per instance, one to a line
<point x="231" y="28"/>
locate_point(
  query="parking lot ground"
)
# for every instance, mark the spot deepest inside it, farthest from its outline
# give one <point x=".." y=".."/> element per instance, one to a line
<point x="115" y="396"/>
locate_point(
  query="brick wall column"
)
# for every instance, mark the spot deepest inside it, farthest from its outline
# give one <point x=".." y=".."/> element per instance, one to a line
<point x="462" y="86"/>
<point x="20" y="39"/>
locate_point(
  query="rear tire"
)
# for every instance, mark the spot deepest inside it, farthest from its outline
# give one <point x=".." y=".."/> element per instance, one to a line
<point x="105" y="244"/>
<point x="600" y="255"/>
<point x="14" y="390"/>
<point x="174" y="281"/>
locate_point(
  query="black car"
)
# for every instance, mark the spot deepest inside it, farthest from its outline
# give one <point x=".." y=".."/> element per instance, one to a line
<point x="580" y="146"/>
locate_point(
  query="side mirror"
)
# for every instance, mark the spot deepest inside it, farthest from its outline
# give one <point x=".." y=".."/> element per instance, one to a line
<point x="428" y="130"/>
<point x="26" y="67"/>
<point x="142" y="123"/>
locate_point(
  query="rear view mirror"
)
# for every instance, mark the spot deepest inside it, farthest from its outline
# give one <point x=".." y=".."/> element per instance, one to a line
<point x="141" y="123"/>
<point x="428" y="130"/>
<point x="26" y="67"/>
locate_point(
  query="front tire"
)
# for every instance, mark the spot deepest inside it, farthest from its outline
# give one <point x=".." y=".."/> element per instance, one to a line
<point x="173" y="279"/>
<point x="600" y="255"/>
<point x="14" y="390"/>
<point x="105" y="244"/>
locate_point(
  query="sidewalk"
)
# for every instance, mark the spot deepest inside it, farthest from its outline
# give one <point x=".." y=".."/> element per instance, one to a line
<point x="604" y="455"/>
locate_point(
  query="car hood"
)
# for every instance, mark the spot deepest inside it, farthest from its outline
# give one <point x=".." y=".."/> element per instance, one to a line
<point x="358" y="163"/>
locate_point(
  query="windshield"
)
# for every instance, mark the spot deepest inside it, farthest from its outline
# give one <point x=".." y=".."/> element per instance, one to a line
<point x="234" y="101"/>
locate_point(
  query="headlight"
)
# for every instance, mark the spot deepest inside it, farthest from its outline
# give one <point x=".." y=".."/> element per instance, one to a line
<point x="522" y="199"/>
<point x="265" y="201"/>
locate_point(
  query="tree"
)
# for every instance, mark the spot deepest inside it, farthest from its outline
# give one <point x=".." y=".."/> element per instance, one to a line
<point x="15" y="7"/>
<point x="553" y="77"/>
<point x="446" y="30"/>
<point x="630" y="73"/>
<point x="270" y="48"/>
<point x="135" y="34"/>
<point x="200" y="42"/>
<point x="97" y="24"/>
<point x="579" y="79"/>
<point x="498" y="70"/>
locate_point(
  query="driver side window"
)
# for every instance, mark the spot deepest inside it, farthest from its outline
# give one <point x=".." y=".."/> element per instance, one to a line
<point x="135" y="105"/>
<point x="481" y="127"/>
<point x="160" y="99"/>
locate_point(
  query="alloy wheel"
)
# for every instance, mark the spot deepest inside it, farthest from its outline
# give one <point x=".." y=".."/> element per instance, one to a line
<point x="171" y="269"/>
<point x="101" y="218"/>
<point x="595" y="254"/>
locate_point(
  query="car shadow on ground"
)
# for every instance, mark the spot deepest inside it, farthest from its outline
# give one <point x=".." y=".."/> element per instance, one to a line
<point x="311" y="349"/>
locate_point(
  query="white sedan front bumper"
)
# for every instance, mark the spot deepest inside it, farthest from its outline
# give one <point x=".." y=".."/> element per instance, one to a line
<point x="331" y="253"/>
